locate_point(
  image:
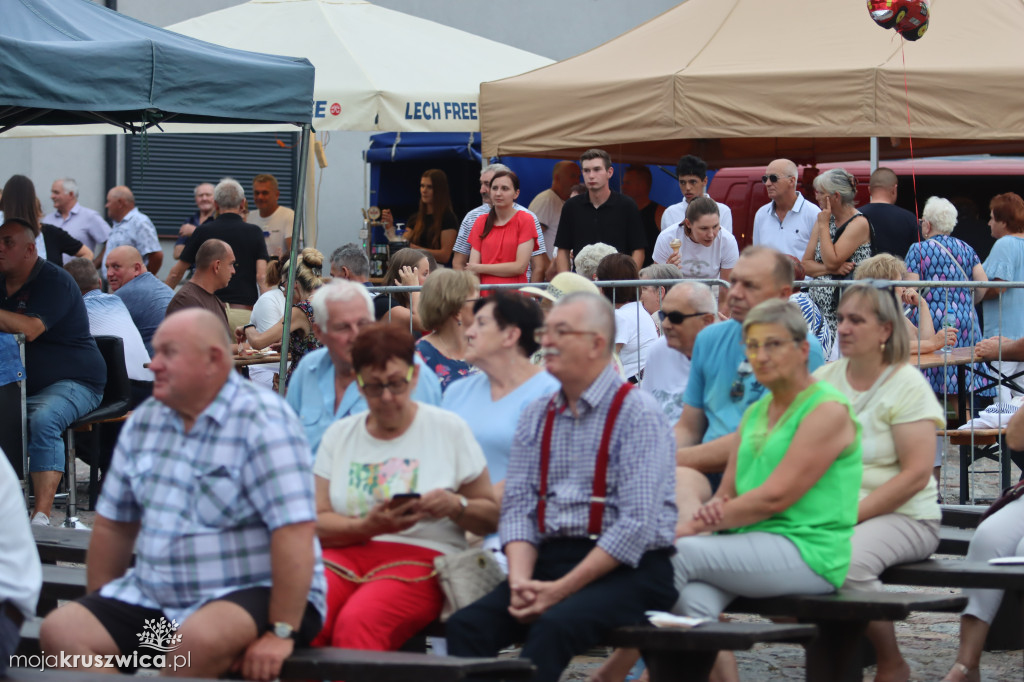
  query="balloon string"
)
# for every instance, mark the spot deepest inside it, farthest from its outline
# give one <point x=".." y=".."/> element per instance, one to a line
<point x="910" y="138"/>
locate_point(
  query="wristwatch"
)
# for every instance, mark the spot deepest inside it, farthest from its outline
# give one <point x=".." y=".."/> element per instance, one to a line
<point x="464" y="505"/>
<point x="282" y="630"/>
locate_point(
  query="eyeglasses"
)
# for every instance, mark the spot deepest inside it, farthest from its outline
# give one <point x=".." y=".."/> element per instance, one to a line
<point x="355" y="328"/>
<point x="676" y="317"/>
<point x="394" y="387"/>
<point x="772" y="177"/>
<point x="771" y="346"/>
<point x="557" y="333"/>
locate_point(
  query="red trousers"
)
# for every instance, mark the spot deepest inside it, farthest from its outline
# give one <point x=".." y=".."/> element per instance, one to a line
<point x="382" y="614"/>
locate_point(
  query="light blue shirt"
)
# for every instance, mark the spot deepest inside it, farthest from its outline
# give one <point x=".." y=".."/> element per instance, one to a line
<point x="311" y="394"/>
<point x="493" y="422"/>
<point x="718" y="363"/>
<point x="1006" y="262"/>
<point x="135" y="229"/>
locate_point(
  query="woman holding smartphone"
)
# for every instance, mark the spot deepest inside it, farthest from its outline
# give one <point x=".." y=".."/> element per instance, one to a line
<point x="396" y="487"/>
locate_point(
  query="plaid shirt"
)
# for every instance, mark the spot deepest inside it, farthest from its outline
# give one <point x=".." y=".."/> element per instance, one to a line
<point x="135" y="229"/>
<point x="640" y="511"/>
<point x="209" y="499"/>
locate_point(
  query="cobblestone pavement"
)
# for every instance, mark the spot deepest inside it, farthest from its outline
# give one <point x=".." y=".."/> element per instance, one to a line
<point x="928" y="640"/>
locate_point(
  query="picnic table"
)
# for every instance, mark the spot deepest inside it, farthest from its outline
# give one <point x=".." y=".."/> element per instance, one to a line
<point x="257" y="358"/>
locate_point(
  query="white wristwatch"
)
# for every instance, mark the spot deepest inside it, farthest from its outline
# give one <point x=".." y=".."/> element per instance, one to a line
<point x="283" y="630"/>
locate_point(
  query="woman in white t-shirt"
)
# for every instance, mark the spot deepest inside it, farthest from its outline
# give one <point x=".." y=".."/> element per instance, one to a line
<point x="699" y="247"/>
<point x="634" y="328"/>
<point x="898" y="515"/>
<point x="396" y="487"/>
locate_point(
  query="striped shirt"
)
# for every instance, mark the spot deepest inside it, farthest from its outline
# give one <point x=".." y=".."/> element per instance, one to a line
<point x="208" y="500"/>
<point x="640" y="511"/>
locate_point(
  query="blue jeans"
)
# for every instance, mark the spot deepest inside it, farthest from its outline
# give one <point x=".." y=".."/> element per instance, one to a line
<point x="50" y="412"/>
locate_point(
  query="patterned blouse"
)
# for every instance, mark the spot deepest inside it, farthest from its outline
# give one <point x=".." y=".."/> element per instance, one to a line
<point x="299" y="345"/>
<point x="827" y="298"/>
<point x="446" y="369"/>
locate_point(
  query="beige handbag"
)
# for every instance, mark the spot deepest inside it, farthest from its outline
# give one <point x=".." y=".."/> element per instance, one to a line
<point x="466" y="577"/>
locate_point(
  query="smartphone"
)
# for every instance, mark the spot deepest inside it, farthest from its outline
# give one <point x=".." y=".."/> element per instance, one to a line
<point x="401" y="498"/>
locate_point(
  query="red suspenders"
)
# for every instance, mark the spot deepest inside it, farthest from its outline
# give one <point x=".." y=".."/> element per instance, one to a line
<point x="597" y="499"/>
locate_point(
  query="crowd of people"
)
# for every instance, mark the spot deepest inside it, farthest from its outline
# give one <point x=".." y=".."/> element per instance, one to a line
<point x="617" y="449"/>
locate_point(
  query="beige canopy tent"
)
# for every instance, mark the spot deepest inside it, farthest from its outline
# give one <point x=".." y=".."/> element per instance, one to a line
<point x="744" y="81"/>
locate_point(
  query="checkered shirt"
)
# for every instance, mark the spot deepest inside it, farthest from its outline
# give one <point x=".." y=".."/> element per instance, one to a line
<point x="640" y="512"/>
<point x="208" y="500"/>
<point x="135" y="229"/>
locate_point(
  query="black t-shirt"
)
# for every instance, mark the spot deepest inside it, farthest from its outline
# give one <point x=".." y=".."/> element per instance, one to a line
<point x="246" y="240"/>
<point x="895" y="228"/>
<point x="57" y="243"/>
<point x="431" y="238"/>
<point x="66" y="350"/>
<point x="616" y="223"/>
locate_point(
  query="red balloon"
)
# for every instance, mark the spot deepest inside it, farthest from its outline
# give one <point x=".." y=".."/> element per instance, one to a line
<point x="908" y="17"/>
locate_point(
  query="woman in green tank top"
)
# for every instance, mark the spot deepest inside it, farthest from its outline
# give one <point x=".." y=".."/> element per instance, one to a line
<point x="785" y="510"/>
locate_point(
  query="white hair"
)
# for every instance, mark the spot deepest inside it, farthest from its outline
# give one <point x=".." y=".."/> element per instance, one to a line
<point x="228" y="193"/>
<point x="589" y="257"/>
<point x="698" y="295"/>
<point x="338" y="290"/>
<point x="70" y="186"/>
<point x="941" y="213"/>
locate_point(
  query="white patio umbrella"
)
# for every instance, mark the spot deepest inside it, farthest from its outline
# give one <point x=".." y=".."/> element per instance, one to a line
<point x="376" y="69"/>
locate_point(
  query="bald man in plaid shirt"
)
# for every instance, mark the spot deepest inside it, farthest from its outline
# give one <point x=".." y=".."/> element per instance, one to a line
<point x="584" y="557"/>
<point x="212" y="483"/>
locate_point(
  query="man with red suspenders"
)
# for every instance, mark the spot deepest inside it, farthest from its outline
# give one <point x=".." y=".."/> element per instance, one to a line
<point x="588" y="516"/>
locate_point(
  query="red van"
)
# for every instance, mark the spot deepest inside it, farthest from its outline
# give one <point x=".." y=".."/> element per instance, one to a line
<point x="969" y="182"/>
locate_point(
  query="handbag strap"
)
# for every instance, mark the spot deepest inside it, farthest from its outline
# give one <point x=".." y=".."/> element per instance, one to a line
<point x="350" y="575"/>
<point x="952" y="258"/>
<point x="600" y="488"/>
<point x="864" y="398"/>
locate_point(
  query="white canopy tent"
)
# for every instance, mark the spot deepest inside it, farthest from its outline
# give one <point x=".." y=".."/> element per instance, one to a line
<point x="376" y="69"/>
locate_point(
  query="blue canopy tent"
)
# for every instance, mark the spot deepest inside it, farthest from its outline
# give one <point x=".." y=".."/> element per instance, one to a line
<point x="74" y="62"/>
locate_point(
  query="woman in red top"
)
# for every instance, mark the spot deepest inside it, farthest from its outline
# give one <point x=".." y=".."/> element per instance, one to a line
<point x="503" y="239"/>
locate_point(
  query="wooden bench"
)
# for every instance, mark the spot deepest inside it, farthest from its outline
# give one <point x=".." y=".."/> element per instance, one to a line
<point x="60" y="583"/>
<point x="835" y="654"/>
<point x="954" y="540"/>
<point x="1006" y="631"/>
<point x="333" y="664"/>
<point x="968" y="439"/>
<point x="688" y="655"/>
<point x="55" y="544"/>
<point x="962" y="515"/>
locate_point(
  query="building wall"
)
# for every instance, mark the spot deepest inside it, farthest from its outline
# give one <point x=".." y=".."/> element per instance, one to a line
<point x="539" y="26"/>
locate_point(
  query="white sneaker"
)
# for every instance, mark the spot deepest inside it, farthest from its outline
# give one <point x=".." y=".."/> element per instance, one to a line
<point x="40" y="519"/>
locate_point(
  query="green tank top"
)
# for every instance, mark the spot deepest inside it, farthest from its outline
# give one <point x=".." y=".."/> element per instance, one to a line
<point x="821" y="522"/>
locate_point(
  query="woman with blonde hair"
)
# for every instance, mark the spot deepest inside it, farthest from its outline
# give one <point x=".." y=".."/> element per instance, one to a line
<point x="886" y="266"/>
<point x="841" y="239"/>
<point x="897" y="514"/>
<point x="301" y="340"/>
<point x="446" y="309"/>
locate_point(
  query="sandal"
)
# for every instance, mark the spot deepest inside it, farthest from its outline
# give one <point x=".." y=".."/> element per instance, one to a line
<point x="966" y="674"/>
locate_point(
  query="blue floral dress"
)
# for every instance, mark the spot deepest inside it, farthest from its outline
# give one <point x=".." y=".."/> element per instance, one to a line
<point x="930" y="261"/>
<point x="446" y="369"/>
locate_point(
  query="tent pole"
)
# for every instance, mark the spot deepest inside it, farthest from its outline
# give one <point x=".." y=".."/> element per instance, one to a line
<point x="874" y="154"/>
<point x="300" y="193"/>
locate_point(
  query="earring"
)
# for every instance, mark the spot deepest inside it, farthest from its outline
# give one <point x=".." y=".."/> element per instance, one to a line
<point x="881" y="347"/>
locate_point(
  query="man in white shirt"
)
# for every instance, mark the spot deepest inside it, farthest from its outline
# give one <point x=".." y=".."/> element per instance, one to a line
<point x="692" y="173"/>
<point x="687" y="308"/>
<point x="784" y="223"/>
<point x="275" y="220"/>
<point x="21" y="575"/>
<point x="548" y="204"/>
<point x="84" y="224"/>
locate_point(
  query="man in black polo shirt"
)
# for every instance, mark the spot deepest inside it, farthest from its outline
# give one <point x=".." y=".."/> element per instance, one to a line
<point x="64" y="371"/>
<point x="600" y="215"/>
<point x="894" y="229"/>
<point x="247" y="243"/>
